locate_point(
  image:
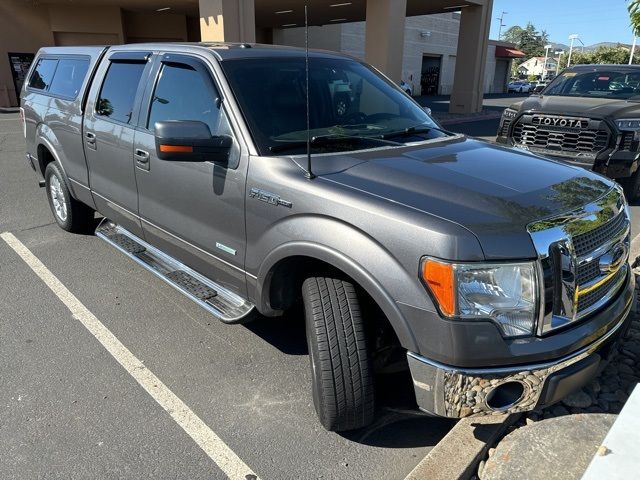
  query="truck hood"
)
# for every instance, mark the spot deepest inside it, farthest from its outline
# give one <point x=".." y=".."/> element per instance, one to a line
<point x="492" y="191"/>
<point x="591" y="107"/>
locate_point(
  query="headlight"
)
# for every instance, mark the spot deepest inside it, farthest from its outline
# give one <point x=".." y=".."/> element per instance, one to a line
<point x="509" y="113"/>
<point x="632" y="124"/>
<point x="505" y="293"/>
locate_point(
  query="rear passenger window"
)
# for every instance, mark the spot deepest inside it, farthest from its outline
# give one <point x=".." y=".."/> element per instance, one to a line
<point x="69" y="77"/>
<point x="182" y="94"/>
<point x="43" y="73"/>
<point x="118" y="92"/>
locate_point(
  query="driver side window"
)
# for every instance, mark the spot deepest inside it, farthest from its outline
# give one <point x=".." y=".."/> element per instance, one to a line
<point x="182" y="94"/>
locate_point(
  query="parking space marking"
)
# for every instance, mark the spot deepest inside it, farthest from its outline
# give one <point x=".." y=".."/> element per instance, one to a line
<point x="206" y="438"/>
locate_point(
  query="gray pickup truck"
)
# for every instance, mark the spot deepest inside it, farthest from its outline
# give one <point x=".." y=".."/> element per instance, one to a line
<point x="498" y="279"/>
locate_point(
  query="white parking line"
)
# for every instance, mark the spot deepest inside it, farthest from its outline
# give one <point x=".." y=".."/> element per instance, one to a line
<point x="206" y="439"/>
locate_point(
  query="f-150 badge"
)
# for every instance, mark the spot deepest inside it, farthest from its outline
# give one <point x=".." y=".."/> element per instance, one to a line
<point x="268" y="197"/>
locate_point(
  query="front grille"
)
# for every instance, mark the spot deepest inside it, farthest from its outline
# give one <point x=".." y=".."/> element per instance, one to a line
<point x="589" y="241"/>
<point x="560" y="139"/>
<point x="504" y="128"/>
<point x="588" y="272"/>
<point x="575" y="288"/>
<point x="589" y="299"/>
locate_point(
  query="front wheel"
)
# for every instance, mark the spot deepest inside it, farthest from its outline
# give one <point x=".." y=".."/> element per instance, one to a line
<point x="342" y="377"/>
<point x="70" y="214"/>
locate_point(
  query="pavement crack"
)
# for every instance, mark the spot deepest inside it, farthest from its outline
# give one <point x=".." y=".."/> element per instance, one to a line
<point x="36" y="226"/>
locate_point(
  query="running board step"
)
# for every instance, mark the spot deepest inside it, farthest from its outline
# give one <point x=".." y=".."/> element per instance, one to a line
<point x="217" y="300"/>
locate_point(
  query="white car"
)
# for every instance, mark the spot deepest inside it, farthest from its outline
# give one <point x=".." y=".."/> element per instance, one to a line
<point x="519" y="87"/>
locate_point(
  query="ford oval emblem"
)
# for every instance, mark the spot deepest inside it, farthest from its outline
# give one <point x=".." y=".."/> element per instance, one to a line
<point x="613" y="259"/>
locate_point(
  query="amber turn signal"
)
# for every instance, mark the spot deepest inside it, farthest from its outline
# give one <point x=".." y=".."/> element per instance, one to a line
<point x="176" y="148"/>
<point x="439" y="278"/>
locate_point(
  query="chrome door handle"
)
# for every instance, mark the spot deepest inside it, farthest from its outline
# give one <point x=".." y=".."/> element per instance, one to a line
<point x="91" y="137"/>
<point x="141" y="156"/>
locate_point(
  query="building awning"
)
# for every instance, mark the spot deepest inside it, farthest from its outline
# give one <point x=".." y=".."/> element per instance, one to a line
<point x="509" y="52"/>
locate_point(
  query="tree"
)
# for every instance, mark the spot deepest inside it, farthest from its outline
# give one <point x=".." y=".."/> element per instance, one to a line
<point x="634" y="16"/>
<point x="609" y="55"/>
<point x="528" y="39"/>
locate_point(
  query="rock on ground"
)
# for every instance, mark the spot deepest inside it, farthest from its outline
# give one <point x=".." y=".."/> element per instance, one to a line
<point x="558" y="448"/>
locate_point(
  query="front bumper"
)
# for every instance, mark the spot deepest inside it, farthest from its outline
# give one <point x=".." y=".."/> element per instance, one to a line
<point x="453" y="392"/>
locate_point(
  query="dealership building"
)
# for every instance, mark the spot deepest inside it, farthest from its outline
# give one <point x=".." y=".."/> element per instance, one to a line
<point x="436" y="46"/>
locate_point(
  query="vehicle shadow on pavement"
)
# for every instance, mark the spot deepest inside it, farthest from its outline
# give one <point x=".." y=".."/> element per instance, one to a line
<point x="398" y="423"/>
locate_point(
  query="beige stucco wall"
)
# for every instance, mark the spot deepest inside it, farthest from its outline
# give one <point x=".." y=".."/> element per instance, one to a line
<point x="77" y="19"/>
<point x="149" y="27"/>
<point x="440" y="38"/>
<point x="23" y="29"/>
<point x="433" y="35"/>
<point x="326" y="37"/>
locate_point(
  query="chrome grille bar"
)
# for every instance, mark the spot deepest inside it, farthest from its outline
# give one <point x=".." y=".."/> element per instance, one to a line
<point x="587" y="251"/>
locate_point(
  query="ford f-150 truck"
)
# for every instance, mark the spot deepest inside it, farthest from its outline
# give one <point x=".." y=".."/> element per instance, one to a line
<point x="589" y="115"/>
<point x="496" y="278"/>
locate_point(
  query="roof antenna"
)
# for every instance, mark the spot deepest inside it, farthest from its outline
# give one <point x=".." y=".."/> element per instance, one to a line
<point x="310" y="174"/>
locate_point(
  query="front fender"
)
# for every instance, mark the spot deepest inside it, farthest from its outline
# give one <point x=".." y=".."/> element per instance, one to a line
<point x="354" y="253"/>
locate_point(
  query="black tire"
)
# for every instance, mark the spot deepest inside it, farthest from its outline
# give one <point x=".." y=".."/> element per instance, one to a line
<point x="342" y="377"/>
<point x="73" y="216"/>
<point x="631" y="186"/>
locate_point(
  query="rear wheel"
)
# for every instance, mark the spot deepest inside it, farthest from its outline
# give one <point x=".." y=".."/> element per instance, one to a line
<point x="342" y="377"/>
<point x="70" y="214"/>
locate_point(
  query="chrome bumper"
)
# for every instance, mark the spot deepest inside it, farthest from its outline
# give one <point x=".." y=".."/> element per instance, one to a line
<point x="453" y="392"/>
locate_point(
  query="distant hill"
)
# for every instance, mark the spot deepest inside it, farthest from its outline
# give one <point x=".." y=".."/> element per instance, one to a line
<point x="578" y="45"/>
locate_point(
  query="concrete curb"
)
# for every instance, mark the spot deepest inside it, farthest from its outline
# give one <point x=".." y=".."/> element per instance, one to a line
<point x="457" y="455"/>
<point x="479" y="118"/>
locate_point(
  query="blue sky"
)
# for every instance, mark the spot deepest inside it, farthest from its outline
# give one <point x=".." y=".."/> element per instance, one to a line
<point x="594" y="20"/>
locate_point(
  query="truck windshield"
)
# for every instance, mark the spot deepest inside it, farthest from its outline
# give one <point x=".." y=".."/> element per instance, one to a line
<point x="347" y="101"/>
<point x="596" y="84"/>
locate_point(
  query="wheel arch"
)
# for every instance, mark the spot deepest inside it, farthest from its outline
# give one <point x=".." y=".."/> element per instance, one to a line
<point x="286" y="267"/>
<point x="47" y="153"/>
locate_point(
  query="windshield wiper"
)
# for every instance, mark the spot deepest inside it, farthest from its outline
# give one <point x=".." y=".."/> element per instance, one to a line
<point x="409" y="131"/>
<point x="328" y="139"/>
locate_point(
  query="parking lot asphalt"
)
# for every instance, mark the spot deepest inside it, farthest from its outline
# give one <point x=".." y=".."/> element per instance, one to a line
<point x="70" y="410"/>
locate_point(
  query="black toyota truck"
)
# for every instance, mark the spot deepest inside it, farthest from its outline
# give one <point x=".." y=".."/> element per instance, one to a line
<point x="589" y="115"/>
<point x="235" y="172"/>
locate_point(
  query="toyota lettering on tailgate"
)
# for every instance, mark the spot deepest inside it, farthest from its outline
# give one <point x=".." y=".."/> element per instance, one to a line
<point x="568" y="122"/>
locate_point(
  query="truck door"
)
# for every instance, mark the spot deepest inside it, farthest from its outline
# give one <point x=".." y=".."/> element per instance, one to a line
<point x="108" y="134"/>
<point x="194" y="211"/>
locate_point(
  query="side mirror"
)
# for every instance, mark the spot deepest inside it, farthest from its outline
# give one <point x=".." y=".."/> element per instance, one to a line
<point x="190" y="141"/>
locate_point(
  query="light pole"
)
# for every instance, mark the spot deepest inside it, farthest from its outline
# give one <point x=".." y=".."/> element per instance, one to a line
<point x="546" y="56"/>
<point x="501" y="24"/>
<point x="559" y="53"/>
<point x="573" y="38"/>
<point x="633" y="50"/>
